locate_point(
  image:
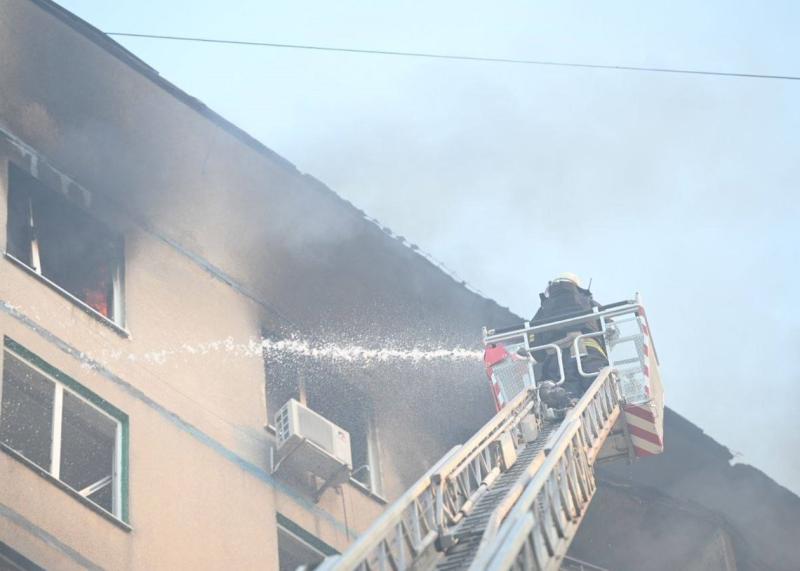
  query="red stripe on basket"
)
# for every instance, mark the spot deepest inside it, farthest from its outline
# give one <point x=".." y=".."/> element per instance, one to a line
<point x="643" y="413"/>
<point x="650" y="437"/>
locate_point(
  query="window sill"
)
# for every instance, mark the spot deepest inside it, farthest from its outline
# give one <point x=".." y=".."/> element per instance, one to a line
<point x="121" y="331"/>
<point x="359" y="486"/>
<point x="61" y="485"/>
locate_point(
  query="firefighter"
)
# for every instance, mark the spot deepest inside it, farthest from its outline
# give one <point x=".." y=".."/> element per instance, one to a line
<point x="565" y="297"/>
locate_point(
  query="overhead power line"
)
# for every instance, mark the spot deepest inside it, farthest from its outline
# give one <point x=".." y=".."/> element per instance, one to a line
<point x="458" y="57"/>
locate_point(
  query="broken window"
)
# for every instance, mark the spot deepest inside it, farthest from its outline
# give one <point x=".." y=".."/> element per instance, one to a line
<point x="61" y="242"/>
<point x="60" y="431"/>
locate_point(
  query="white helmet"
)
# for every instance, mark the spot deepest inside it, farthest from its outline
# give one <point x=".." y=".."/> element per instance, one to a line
<point x="568" y="277"/>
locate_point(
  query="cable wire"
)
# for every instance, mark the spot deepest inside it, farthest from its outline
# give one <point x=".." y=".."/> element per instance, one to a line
<point x="458" y="57"/>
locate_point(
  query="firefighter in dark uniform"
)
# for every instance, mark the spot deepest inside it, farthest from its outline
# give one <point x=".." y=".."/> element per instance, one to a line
<point x="564" y="298"/>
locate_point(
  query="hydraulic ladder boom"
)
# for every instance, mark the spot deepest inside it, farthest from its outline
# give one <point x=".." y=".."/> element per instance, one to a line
<point x="514" y="495"/>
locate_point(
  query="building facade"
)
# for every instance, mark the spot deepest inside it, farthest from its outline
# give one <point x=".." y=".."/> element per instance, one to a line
<point x="153" y="253"/>
<point x="149" y="246"/>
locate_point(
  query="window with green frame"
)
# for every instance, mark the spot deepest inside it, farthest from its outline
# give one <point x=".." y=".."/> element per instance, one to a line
<point x="64" y="429"/>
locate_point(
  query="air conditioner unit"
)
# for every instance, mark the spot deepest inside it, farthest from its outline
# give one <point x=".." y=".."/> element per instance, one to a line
<point x="309" y="442"/>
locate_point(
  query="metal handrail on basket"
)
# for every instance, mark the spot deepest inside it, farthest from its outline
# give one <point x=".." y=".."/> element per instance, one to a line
<point x="576" y="351"/>
<point x="562" y="375"/>
<point x="490" y="336"/>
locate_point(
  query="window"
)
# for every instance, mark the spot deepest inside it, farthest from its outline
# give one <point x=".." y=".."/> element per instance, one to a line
<point x="324" y="390"/>
<point x="59" y="241"/>
<point x="10" y="560"/>
<point x="297" y="547"/>
<point x="65" y="430"/>
<point x="351" y="410"/>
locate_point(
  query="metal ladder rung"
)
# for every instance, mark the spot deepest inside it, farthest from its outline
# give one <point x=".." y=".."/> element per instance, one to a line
<point x="470" y="531"/>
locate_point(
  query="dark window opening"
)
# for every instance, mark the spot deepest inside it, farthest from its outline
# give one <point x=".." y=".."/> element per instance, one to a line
<point x="326" y="391"/>
<point x="347" y="409"/>
<point x="294" y="552"/>
<point x="60" y="432"/>
<point x="63" y="243"/>
<point x="11" y="560"/>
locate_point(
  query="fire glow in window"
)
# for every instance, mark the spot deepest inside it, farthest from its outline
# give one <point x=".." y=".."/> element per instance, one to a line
<point x="62" y="243"/>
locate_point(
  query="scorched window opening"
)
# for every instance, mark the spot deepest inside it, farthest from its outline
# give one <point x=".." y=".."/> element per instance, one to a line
<point x="294" y="552"/>
<point x="61" y="242"/>
<point x="323" y="390"/>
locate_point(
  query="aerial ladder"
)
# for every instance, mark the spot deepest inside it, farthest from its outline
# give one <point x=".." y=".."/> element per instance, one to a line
<point x="514" y="495"/>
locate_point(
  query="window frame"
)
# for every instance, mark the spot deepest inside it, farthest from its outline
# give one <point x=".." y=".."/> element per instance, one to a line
<point x="374" y="457"/>
<point x="63" y="383"/>
<point x="16" y="559"/>
<point x="118" y="318"/>
<point x="292" y="531"/>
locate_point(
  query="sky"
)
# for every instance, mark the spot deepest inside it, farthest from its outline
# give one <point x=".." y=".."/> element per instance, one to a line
<point x="682" y="187"/>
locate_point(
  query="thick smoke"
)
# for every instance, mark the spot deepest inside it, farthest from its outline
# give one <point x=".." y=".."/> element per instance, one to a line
<point x="642" y="183"/>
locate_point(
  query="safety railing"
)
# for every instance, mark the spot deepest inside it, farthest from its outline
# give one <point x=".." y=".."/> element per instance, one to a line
<point x="463" y="479"/>
<point x="436" y="501"/>
<point x="597" y="411"/>
<point x="598" y="314"/>
<point x="623" y="335"/>
<point x="539" y="528"/>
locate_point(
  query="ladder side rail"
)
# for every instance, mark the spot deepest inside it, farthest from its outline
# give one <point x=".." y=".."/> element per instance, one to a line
<point x="380" y="543"/>
<point x="465" y="476"/>
<point x="606" y="387"/>
<point x="520" y="535"/>
<point x="601" y="394"/>
<point x="407" y="518"/>
<point x="509" y="501"/>
<point x="556" y="497"/>
<point x="469" y="482"/>
<point x="600" y="412"/>
<point x="551" y="520"/>
<point x="508" y="416"/>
